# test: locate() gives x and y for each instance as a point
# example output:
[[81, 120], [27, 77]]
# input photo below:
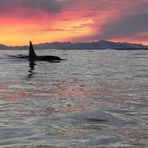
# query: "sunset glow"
[[73, 20]]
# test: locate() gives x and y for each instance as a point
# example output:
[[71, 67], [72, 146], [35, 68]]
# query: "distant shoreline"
[[100, 45]]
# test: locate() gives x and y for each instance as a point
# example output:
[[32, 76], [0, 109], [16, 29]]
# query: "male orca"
[[33, 57]]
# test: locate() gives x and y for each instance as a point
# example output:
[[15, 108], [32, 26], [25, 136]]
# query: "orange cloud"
[[17, 31]]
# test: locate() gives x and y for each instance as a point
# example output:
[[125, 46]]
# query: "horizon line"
[[76, 42]]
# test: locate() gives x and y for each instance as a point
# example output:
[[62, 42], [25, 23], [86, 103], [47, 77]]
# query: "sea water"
[[93, 99]]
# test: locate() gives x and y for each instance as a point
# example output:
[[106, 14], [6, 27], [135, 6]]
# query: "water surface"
[[95, 98]]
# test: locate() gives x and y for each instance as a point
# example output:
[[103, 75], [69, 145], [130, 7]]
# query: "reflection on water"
[[32, 65], [95, 100], [31, 68]]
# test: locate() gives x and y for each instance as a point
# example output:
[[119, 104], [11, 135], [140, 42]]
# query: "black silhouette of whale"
[[32, 57]]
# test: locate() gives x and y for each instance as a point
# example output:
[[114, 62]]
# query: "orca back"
[[32, 57]]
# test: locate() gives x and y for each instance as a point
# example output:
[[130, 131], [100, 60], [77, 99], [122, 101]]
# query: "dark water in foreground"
[[95, 99]]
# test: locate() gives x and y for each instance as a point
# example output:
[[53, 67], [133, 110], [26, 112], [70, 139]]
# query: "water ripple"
[[98, 99]]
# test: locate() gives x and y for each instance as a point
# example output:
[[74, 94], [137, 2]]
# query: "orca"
[[32, 57]]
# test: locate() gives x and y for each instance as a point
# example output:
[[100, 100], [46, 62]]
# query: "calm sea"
[[94, 99]]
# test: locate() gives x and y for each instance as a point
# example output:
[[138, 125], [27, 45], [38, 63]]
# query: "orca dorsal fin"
[[32, 55]]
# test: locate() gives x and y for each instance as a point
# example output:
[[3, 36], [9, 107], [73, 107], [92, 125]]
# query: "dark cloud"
[[126, 26], [46, 5], [130, 26], [8, 5], [52, 6], [130, 23]]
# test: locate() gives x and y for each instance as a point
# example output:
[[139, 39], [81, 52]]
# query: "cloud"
[[121, 20], [52, 6], [86, 20], [8, 5], [126, 27]]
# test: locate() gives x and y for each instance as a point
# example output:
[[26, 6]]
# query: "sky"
[[73, 20]]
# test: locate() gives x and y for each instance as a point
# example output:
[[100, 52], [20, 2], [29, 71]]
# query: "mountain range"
[[102, 44]]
